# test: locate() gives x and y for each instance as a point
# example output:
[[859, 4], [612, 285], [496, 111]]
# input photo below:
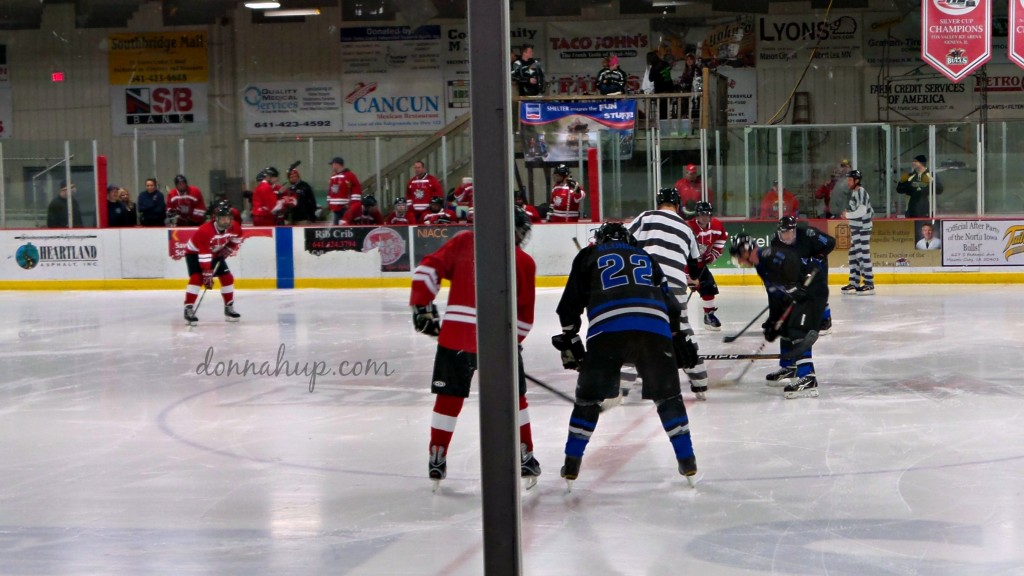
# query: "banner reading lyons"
[[562, 131], [956, 35]]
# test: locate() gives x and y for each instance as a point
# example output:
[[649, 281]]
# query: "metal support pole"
[[67, 179], [3, 191], [933, 161], [778, 169], [444, 164], [181, 155]]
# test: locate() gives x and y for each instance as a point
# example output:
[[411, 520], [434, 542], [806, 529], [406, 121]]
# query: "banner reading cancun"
[[562, 131], [956, 35]]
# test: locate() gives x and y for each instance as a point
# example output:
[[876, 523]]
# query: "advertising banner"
[[428, 239], [52, 254], [291, 108], [956, 35], [177, 238], [990, 243], [1016, 32], [562, 131], [910, 95], [159, 109], [391, 241], [390, 49], [390, 103], [577, 47], [786, 40]]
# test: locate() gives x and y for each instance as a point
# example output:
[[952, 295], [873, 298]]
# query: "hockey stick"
[[807, 282], [577, 243], [743, 331], [551, 389], [755, 356], [203, 295]]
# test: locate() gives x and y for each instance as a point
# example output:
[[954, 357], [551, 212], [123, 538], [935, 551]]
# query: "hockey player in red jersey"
[[264, 198], [343, 189], [711, 238], [565, 197], [400, 214], [369, 214], [464, 193], [206, 256], [455, 360], [421, 188], [437, 214], [185, 204], [531, 211]]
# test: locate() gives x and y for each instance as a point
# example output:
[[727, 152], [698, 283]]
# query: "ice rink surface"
[[118, 458]]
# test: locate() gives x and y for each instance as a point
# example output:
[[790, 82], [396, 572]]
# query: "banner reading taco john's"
[[562, 131], [956, 35]]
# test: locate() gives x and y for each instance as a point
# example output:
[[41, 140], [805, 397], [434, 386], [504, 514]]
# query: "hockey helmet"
[[222, 215], [668, 196], [369, 201], [703, 208], [787, 223], [522, 223], [562, 170], [180, 179], [855, 174], [271, 172], [437, 200], [613, 232], [742, 245]]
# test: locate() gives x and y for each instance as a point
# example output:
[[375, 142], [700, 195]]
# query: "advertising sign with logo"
[[974, 243], [392, 242], [786, 40], [390, 49], [6, 108], [911, 95], [1016, 32], [52, 255], [291, 108], [575, 50], [391, 103], [562, 131], [158, 82], [177, 238], [428, 239], [956, 35]]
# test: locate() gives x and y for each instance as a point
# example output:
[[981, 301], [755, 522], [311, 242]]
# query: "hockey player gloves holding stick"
[[425, 319], [685, 349], [572, 349]]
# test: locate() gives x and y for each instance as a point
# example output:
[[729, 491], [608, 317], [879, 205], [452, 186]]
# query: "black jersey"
[[621, 288], [813, 247], [779, 269]]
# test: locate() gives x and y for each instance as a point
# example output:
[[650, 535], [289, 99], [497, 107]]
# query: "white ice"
[[117, 458]]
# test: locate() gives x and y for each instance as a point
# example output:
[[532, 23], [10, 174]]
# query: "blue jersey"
[[621, 288]]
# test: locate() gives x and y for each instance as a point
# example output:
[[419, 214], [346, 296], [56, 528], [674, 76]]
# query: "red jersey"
[[565, 203], [264, 200], [689, 192], [343, 188], [442, 218], [208, 242], [770, 205], [420, 190], [189, 205], [531, 211], [394, 219], [368, 218], [711, 240], [464, 195], [454, 262]]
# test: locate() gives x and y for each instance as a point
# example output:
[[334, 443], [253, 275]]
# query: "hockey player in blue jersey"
[[813, 246], [633, 318]]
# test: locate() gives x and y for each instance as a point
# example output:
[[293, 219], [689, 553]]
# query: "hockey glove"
[[686, 350], [208, 279], [770, 331], [572, 349], [797, 293], [425, 319]]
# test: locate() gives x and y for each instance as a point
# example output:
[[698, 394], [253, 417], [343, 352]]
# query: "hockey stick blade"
[[740, 356], [576, 243]]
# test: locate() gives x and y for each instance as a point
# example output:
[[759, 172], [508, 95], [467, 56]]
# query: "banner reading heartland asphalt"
[[562, 131], [956, 35]]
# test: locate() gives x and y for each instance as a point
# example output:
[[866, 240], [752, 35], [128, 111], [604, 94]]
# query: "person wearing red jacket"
[[421, 188], [369, 214], [531, 211], [689, 191], [344, 192], [770, 204], [566, 197], [206, 256], [438, 215], [711, 238], [400, 215], [185, 204], [264, 199], [455, 359], [464, 193]]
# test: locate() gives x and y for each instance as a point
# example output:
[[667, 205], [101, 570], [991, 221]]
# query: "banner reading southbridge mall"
[[562, 131]]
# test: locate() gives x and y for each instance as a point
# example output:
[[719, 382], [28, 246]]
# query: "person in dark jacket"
[[151, 205], [57, 211]]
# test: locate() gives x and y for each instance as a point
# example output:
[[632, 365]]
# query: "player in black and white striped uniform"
[[859, 212], [669, 240]]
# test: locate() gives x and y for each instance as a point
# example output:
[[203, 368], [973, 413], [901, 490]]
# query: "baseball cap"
[[921, 158], [338, 160], [691, 168], [844, 162], [112, 187], [613, 60]]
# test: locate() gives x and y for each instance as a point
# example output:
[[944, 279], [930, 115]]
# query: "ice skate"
[[780, 377], [711, 321], [688, 468], [229, 313], [826, 327], [850, 288], [529, 468], [571, 470], [701, 392], [438, 466], [866, 290], [190, 315], [806, 387]]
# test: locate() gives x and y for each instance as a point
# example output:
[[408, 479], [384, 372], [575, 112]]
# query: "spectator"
[[422, 187], [117, 213], [612, 80], [464, 193], [306, 210], [928, 240], [770, 203], [689, 191], [566, 197], [133, 210], [659, 77], [527, 73], [860, 213], [915, 184], [151, 206], [530, 210], [834, 192], [369, 213], [343, 189], [185, 204], [437, 214], [57, 211], [400, 215], [264, 199], [687, 84]]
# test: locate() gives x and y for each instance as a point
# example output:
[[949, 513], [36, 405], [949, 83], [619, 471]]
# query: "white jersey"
[[668, 239]]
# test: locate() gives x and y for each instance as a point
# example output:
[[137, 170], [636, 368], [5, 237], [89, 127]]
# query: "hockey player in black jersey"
[[634, 318], [794, 312], [813, 246]]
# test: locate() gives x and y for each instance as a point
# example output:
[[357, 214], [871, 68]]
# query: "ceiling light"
[[263, 5], [296, 12]]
